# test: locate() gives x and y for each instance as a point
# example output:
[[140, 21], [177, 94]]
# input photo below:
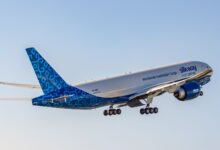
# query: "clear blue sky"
[[86, 40]]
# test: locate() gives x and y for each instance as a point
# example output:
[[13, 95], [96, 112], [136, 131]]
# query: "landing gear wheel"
[[147, 110], [201, 93], [151, 110], [156, 110], [114, 111], [105, 113], [118, 111], [110, 112], [142, 111]]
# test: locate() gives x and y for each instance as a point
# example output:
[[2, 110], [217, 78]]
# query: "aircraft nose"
[[210, 69]]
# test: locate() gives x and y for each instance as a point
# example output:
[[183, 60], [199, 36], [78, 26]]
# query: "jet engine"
[[188, 91]]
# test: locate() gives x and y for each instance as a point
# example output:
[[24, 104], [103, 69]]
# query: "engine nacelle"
[[188, 91]]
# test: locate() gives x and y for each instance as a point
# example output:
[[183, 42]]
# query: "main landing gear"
[[111, 112], [149, 110]]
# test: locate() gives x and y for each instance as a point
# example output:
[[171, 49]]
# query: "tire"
[[201, 93], [142, 111], [105, 112], [114, 111], [147, 110], [151, 110], [156, 110], [110, 112], [118, 111]]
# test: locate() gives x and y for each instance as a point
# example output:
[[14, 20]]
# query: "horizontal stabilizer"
[[15, 98], [29, 86]]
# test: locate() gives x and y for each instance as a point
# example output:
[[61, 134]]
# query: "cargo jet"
[[184, 81]]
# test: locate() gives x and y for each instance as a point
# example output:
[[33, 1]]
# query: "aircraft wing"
[[158, 90], [162, 88], [29, 86]]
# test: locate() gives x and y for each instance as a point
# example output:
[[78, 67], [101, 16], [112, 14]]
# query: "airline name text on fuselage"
[[188, 69]]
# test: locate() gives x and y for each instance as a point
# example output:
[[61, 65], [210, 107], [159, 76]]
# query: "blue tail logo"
[[48, 78]]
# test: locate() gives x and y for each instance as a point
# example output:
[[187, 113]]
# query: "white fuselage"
[[142, 81]]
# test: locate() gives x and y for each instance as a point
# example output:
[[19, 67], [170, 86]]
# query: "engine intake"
[[188, 91]]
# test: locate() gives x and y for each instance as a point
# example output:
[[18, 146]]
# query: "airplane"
[[183, 80]]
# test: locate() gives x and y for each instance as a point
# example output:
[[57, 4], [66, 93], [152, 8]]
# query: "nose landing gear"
[[201, 93]]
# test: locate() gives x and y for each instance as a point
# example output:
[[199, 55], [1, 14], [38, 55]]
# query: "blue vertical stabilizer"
[[48, 78]]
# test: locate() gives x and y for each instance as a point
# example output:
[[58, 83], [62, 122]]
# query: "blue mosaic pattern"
[[73, 98], [48, 78], [58, 93]]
